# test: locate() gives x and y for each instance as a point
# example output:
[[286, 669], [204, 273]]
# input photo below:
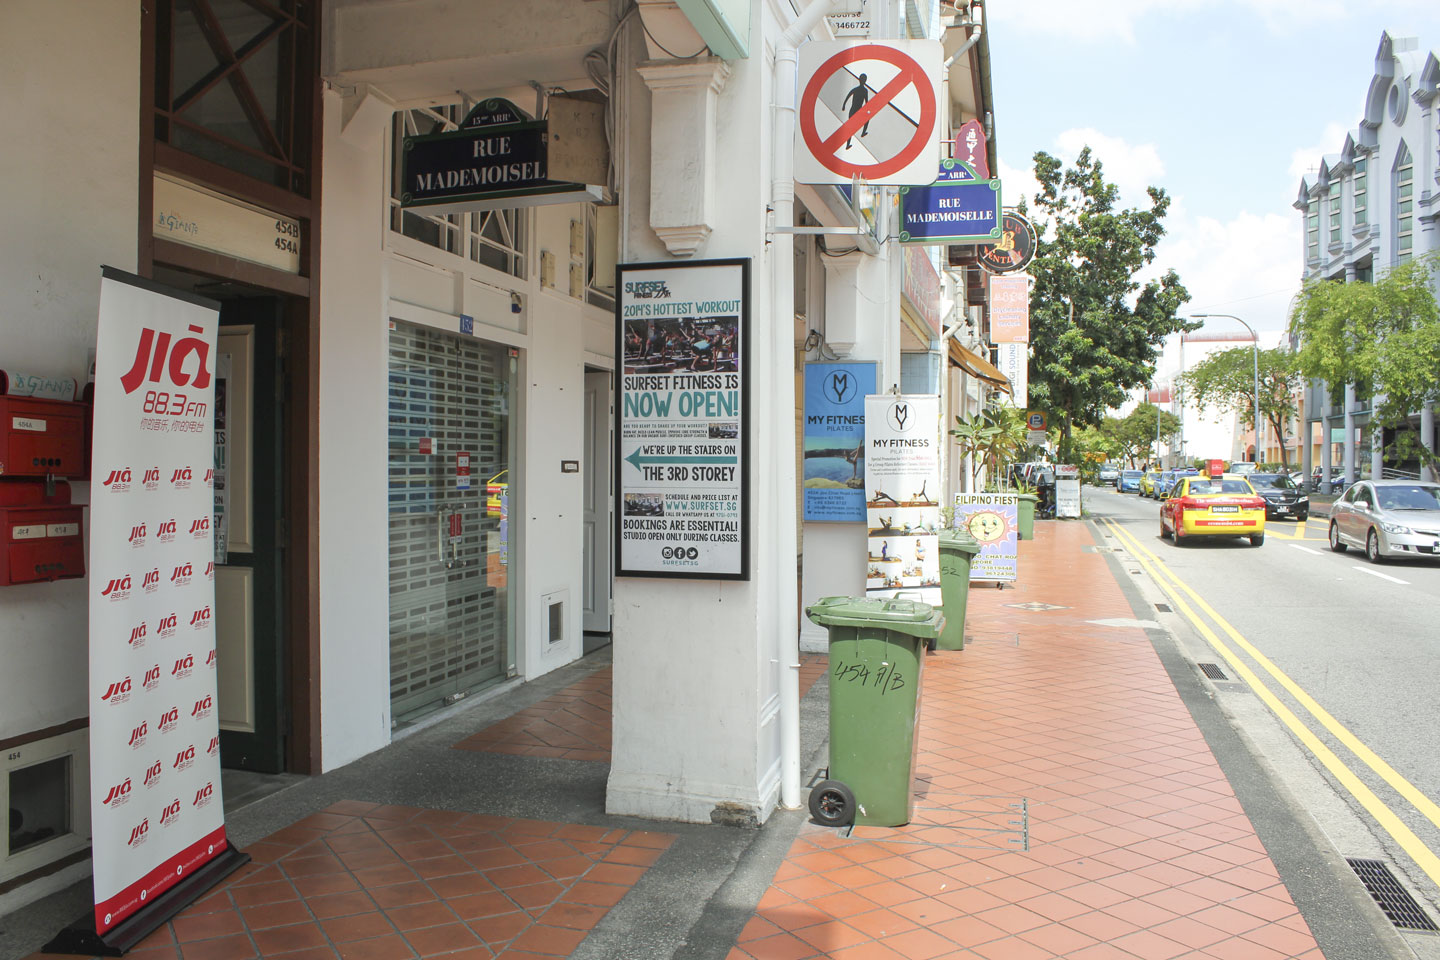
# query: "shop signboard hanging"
[[993, 520], [834, 456], [902, 505], [1010, 309], [496, 159], [958, 207], [683, 420], [156, 814], [1015, 248]]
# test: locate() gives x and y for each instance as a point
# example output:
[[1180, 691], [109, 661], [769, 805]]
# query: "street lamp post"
[[1255, 338]]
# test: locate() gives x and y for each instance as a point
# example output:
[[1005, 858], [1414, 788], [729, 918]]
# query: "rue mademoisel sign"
[[958, 207], [495, 155]]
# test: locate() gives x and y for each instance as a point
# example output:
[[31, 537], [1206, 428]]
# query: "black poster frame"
[[746, 329]]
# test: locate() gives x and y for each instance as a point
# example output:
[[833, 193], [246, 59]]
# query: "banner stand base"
[[80, 937]]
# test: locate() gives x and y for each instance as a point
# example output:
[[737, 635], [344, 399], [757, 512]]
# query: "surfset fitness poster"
[[902, 496], [682, 431]]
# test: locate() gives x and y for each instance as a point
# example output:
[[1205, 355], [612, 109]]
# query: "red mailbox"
[[41, 438], [40, 536]]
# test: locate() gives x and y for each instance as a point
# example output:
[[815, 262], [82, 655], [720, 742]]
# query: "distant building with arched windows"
[[1368, 208]]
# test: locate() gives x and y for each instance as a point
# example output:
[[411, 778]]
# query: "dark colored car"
[[1283, 499], [1169, 478]]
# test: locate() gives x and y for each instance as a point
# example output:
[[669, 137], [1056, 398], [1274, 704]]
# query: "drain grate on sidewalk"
[[1390, 896], [1212, 670]]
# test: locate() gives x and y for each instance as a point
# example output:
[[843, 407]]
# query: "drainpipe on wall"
[[782, 299]]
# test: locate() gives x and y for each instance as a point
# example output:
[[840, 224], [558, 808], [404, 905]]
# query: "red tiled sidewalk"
[[575, 723], [1138, 847], [367, 882]]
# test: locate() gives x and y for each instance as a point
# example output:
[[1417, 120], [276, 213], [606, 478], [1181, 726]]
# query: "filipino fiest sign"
[[992, 519], [682, 420], [958, 207], [155, 809], [834, 455], [902, 505]]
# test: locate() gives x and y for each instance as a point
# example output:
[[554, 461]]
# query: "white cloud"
[[1248, 266], [1017, 182], [1131, 167], [1305, 162]]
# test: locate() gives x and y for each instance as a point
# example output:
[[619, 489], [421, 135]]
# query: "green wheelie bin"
[[877, 653], [1025, 515], [957, 548]]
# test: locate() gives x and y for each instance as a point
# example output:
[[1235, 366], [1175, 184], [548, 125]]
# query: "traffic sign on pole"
[[869, 110]]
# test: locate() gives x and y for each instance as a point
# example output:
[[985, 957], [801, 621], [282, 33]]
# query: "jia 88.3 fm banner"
[[156, 812]]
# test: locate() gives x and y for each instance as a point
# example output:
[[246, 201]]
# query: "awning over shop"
[[975, 365]]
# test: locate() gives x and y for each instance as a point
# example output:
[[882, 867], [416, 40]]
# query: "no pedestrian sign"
[[869, 110]]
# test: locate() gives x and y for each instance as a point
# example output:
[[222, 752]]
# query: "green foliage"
[[1226, 379], [996, 436], [1095, 330], [1131, 438], [1383, 336]]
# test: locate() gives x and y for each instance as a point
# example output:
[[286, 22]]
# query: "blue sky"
[[1223, 104]]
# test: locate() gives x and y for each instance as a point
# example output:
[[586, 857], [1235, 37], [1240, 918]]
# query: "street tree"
[[1384, 335], [1096, 330], [1141, 433], [1226, 380]]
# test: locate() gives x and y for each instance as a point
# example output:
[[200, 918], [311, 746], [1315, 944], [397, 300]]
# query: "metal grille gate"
[[449, 619]]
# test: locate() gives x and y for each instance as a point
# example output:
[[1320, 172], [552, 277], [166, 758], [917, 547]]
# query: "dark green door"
[[250, 543]]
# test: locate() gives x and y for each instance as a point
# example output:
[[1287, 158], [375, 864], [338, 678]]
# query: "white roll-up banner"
[[902, 496], [156, 813]]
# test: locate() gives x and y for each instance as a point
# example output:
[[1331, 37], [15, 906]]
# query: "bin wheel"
[[832, 804]]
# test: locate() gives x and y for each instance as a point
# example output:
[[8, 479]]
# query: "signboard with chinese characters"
[[958, 207], [902, 463], [1010, 309], [834, 455], [683, 420]]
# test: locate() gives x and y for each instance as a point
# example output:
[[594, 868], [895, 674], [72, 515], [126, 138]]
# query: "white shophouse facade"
[[401, 340], [1373, 205]]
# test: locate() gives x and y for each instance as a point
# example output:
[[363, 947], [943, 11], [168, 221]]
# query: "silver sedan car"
[[1388, 518]]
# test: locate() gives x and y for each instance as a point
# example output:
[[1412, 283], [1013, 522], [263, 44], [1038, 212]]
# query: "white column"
[[1427, 435], [682, 177], [1350, 442]]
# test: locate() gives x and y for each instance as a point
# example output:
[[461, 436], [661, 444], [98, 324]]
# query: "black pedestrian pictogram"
[[861, 93]]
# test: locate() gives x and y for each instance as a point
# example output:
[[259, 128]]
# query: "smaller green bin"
[[1025, 515], [877, 653], [957, 548]]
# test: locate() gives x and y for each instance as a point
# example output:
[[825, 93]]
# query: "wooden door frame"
[[302, 332]]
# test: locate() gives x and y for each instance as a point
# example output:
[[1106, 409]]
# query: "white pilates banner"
[[902, 500], [155, 810]]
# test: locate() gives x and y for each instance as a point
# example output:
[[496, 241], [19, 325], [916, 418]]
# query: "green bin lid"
[[1028, 496], [903, 616], [958, 540]]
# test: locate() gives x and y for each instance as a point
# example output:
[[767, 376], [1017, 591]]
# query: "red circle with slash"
[[825, 151]]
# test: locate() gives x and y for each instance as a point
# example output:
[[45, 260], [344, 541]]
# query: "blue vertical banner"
[[834, 471]]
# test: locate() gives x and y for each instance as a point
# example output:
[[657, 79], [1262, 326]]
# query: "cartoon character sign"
[[991, 518], [988, 526]]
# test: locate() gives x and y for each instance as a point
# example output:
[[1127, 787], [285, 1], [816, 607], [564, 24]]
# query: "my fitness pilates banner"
[[902, 466], [834, 473], [992, 519], [682, 431], [155, 809]]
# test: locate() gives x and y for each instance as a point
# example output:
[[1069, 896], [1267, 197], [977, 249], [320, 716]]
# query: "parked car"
[[1147, 483], [1283, 497], [1169, 478], [1109, 473], [1129, 481], [1387, 518], [1225, 506]]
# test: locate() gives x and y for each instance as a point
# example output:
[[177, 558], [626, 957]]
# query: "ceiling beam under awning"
[[977, 366]]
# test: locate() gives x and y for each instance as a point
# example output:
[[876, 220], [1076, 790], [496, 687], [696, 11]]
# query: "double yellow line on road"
[[1177, 590]]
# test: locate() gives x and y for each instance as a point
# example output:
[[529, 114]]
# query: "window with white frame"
[[1312, 231], [1404, 204], [1335, 215], [495, 238], [1359, 190]]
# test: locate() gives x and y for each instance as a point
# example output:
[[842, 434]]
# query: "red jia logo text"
[[138, 735], [119, 480], [117, 589], [168, 720], [184, 758], [118, 795], [137, 834], [183, 666], [150, 357], [152, 776], [117, 692]]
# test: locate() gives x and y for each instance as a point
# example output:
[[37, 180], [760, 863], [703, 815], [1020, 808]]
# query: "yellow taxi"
[[1147, 483], [1224, 506]]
